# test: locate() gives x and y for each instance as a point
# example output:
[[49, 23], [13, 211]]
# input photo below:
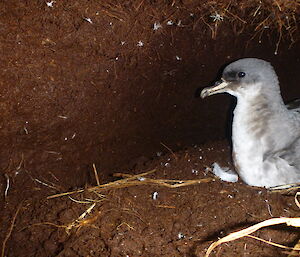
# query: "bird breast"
[[258, 132], [250, 137]]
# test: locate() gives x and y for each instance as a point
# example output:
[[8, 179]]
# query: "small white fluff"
[[195, 171], [157, 26], [50, 4], [140, 43], [180, 235], [89, 20], [158, 154], [224, 173], [155, 195]]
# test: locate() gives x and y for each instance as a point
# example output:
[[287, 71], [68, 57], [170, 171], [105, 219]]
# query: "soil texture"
[[153, 220], [114, 84]]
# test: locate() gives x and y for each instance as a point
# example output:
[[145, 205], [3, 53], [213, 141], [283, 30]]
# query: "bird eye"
[[241, 74]]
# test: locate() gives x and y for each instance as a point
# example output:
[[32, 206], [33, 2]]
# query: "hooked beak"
[[218, 87]]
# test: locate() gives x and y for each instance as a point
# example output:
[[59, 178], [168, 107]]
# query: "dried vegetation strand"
[[129, 180], [294, 222], [256, 17]]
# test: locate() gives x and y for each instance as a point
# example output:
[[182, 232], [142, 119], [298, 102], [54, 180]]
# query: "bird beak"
[[217, 88]]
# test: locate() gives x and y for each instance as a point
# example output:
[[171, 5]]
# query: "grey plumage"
[[265, 131]]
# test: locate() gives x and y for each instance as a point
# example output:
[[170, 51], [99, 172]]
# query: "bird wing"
[[284, 165], [291, 154], [294, 105], [288, 158]]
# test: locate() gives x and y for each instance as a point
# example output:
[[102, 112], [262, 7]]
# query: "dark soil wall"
[[85, 82], [77, 89]]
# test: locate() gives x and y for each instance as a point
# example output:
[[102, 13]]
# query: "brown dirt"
[[76, 91], [180, 222]]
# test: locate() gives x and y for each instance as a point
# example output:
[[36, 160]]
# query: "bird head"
[[244, 76]]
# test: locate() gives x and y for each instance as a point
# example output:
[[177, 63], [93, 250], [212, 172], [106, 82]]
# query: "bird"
[[265, 131]]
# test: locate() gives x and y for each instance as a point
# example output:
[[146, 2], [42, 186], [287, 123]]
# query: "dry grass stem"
[[94, 200], [96, 174], [272, 243], [78, 223], [295, 222], [265, 17], [100, 196], [44, 223], [46, 184], [136, 180], [81, 221], [166, 206], [236, 17], [295, 252], [285, 189], [79, 201], [296, 199], [66, 194], [10, 230], [126, 224], [7, 185], [169, 149], [88, 211], [114, 11]]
